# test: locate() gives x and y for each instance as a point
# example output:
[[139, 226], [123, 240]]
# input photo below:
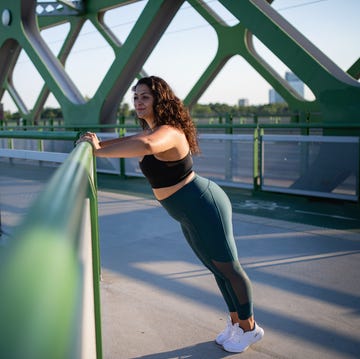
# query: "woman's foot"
[[239, 340], [226, 333]]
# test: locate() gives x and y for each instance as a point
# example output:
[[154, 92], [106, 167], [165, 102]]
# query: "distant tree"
[[123, 110], [201, 110], [15, 116], [219, 110], [52, 113], [7, 115], [273, 108]]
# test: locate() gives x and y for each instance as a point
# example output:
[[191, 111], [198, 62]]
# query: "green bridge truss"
[[337, 93]]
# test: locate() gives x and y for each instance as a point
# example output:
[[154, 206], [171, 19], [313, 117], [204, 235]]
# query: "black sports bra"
[[165, 173]]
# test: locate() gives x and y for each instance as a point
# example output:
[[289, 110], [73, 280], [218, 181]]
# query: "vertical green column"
[[258, 159]]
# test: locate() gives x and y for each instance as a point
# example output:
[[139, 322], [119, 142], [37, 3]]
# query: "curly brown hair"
[[169, 110]]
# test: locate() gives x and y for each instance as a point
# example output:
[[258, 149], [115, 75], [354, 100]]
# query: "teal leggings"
[[205, 214]]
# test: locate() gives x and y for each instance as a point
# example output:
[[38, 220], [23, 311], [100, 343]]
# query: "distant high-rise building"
[[294, 82], [274, 97], [243, 102]]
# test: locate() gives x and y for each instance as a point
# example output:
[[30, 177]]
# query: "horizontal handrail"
[[38, 135], [68, 133], [42, 275]]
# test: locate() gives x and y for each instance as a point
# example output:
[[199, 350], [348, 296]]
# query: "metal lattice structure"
[[337, 93]]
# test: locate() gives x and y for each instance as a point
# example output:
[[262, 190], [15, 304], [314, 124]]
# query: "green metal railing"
[[257, 130], [51, 266]]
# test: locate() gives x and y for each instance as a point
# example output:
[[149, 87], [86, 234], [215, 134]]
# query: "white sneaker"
[[240, 340], [226, 333]]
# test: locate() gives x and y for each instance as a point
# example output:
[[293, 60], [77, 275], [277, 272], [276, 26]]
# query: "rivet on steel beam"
[[6, 17]]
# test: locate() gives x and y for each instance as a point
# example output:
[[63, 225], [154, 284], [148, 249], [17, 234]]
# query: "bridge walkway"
[[159, 302]]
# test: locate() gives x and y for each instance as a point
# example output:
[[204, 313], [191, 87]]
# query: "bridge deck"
[[159, 302]]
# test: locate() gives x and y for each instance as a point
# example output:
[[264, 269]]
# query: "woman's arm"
[[114, 141], [110, 142], [162, 139]]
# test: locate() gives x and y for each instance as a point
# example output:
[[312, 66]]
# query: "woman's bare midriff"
[[164, 192]]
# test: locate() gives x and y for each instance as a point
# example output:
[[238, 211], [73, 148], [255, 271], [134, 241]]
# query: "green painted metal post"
[[258, 160]]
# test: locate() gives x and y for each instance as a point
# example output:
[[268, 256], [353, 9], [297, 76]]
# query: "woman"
[[166, 146]]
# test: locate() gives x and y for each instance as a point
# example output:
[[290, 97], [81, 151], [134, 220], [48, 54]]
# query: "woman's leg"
[[247, 324], [236, 288], [229, 276], [205, 214]]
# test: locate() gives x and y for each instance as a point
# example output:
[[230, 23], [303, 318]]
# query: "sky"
[[189, 45]]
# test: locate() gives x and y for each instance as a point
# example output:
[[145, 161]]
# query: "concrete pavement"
[[159, 302]]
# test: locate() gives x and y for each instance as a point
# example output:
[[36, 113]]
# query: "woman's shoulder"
[[176, 139], [169, 128]]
